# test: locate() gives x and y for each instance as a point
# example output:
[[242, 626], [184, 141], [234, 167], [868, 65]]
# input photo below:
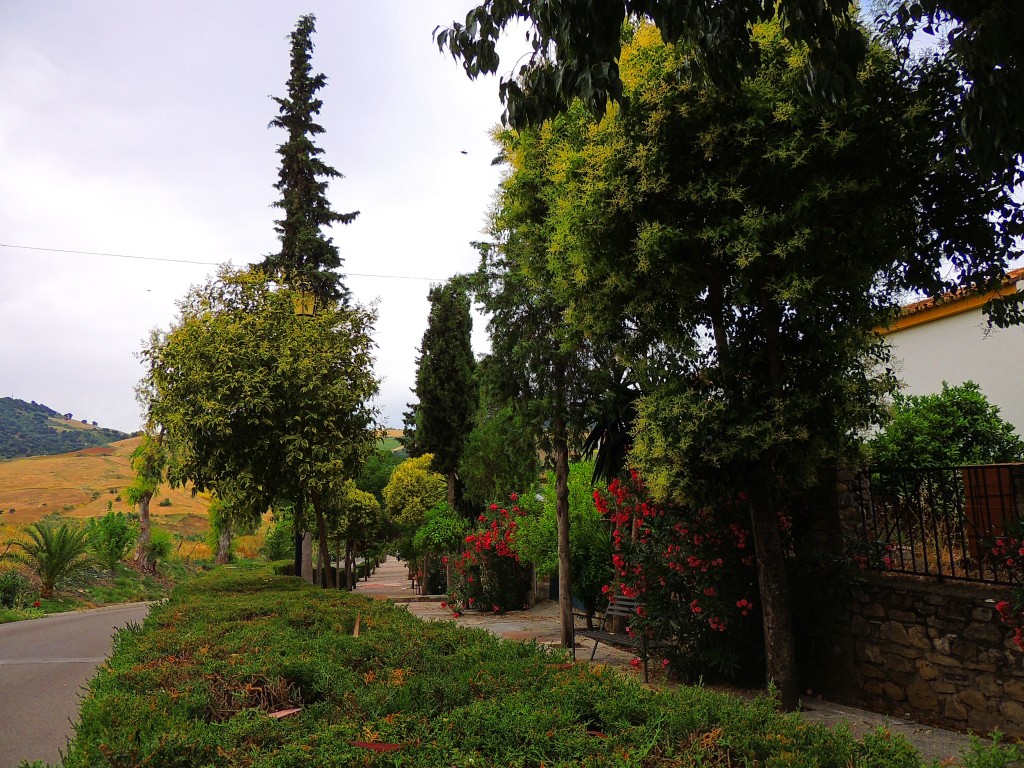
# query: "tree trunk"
[[426, 573], [780, 658], [349, 564], [223, 545], [143, 556], [307, 557], [325, 552], [298, 547], [451, 489], [561, 453]]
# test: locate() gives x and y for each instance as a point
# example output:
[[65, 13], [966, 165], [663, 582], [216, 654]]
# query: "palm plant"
[[54, 553]]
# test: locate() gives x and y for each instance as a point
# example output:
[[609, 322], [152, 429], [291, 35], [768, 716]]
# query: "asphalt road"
[[44, 666]]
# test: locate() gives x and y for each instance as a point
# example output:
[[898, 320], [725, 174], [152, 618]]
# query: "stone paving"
[[541, 624]]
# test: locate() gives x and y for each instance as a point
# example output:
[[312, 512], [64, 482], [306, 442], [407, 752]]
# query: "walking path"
[[541, 624]]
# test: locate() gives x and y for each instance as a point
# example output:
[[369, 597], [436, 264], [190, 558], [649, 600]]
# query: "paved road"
[[44, 664]]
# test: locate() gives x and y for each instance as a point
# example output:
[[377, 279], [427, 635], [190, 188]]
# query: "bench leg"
[[594, 651]]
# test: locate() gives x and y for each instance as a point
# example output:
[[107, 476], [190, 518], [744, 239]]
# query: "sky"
[[141, 129]]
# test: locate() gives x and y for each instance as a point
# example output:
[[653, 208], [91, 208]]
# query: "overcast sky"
[[140, 129]]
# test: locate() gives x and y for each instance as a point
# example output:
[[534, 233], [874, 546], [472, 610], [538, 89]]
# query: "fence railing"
[[940, 521]]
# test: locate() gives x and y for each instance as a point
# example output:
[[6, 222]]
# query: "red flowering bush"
[[1008, 552], [488, 574], [693, 570]]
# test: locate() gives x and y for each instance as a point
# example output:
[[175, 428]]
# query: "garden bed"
[[212, 674]]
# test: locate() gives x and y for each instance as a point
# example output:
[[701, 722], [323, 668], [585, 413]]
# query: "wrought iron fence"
[[940, 522]]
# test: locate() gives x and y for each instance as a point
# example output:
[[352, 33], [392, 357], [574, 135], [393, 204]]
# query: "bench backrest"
[[622, 606]]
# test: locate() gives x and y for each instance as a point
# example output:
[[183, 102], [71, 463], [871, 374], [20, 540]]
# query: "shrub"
[[15, 590], [489, 575], [194, 685], [160, 545], [165, 502], [693, 570], [590, 549], [280, 541], [110, 538], [957, 426]]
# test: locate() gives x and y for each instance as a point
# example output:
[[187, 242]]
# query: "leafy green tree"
[[500, 456], [376, 472], [983, 40], [358, 519], [148, 461], [54, 553], [542, 367], [445, 384], [247, 393], [759, 228], [590, 549], [307, 255], [412, 490], [110, 538], [957, 426]]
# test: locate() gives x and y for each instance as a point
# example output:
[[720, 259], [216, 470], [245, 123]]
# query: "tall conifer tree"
[[445, 382], [307, 255]]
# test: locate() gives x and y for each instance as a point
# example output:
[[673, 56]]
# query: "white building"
[[952, 342]]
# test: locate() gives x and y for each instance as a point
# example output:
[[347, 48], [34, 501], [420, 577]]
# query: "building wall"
[[961, 347]]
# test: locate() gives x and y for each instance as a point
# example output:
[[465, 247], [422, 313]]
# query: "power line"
[[203, 263]]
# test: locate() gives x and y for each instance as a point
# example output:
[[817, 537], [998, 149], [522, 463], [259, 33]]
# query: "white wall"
[[962, 347]]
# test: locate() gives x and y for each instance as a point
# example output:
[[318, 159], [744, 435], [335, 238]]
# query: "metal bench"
[[618, 607]]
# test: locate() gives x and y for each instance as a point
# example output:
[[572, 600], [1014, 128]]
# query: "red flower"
[[37, 604]]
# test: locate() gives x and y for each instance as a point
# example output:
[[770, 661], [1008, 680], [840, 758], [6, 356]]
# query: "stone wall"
[[931, 651], [934, 653]]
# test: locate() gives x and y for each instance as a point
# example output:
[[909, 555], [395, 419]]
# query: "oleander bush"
[[197, 684]]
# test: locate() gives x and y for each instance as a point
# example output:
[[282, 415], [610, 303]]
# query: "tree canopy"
[[576, 46], [250, 394], [737, 245], [576, 53]]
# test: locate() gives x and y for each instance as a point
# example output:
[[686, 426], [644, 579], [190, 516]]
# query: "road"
[[44, 665]]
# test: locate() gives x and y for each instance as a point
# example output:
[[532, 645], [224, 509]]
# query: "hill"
[[79, 485], [32, 429]]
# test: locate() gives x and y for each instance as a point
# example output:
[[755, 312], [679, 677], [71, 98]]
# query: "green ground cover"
[[199, 681], [96, 587]]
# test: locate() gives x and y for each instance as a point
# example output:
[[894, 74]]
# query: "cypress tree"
[[445, 381], [307, 256]]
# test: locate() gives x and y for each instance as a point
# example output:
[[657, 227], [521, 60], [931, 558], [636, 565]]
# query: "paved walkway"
[[44, 666], [541, 624]]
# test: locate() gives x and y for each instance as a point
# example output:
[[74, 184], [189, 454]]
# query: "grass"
[[197, 684], [79, 485], [95, 588]]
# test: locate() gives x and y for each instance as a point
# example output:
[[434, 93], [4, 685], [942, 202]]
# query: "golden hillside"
[[79, 485]]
